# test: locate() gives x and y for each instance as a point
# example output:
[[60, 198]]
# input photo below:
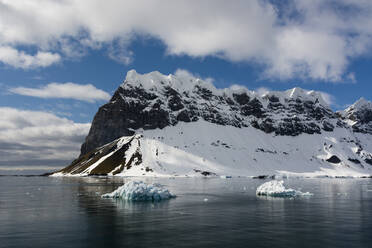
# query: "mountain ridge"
[[154, 114], [155, 100]]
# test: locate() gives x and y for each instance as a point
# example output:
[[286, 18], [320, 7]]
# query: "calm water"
[[68, 212]]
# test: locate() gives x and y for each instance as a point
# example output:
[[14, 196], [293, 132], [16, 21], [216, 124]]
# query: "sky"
[[61, 60]]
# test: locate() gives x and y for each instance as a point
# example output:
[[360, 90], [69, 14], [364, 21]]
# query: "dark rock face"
[[334, 159], [253, 107], [174, 99], [143, 105], [354, 160], [327, 126], [368, 161], [119, 118], [116, 163], [184, 116], [241, 99], [293, 127], [363, 117]]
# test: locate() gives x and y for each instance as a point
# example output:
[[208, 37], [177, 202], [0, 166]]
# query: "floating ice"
[[224, 177], [276, 189], [140, 191]]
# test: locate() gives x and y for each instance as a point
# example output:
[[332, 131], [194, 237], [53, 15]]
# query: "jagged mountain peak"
[[155, 80], [360, 104], [185, 82], [359, 116], [309, 95]]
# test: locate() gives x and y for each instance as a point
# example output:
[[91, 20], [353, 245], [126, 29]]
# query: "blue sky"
[[98, 69], [319, 45]]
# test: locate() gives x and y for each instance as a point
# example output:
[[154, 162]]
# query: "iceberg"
[[140, 191], [276, 188]]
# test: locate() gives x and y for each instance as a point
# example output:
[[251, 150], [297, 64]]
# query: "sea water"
[[207, 212]]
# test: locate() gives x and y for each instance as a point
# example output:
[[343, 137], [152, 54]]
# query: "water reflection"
[[230, 215], [70, 210]]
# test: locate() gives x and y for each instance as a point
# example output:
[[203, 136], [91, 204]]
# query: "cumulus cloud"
[[38, 138], [328, 98], [20, 59], [80, 92], [187, 75], [291, 39]]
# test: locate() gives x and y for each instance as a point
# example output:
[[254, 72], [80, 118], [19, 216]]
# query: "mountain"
[[359, 116], [156, 101], [161, 125]]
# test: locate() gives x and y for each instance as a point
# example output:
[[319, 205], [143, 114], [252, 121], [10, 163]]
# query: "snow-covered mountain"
[[159, 125], [359, 116]]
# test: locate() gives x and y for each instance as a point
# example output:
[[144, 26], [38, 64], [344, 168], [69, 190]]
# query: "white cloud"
[[119, 52], [328, 98], [80, 92], [351, 77], [20, 59], [262, 91], [238, 87], [38, 138], [182, 73], [303, 39]]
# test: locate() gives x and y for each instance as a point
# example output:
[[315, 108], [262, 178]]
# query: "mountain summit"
[[159, 124], [155, 100]]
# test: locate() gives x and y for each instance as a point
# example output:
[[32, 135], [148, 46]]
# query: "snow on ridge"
[[155, 81], [358, 115], [362, 103], [306, 95]]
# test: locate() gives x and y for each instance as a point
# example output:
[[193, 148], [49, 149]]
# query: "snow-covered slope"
[[158, 125], [203, 148]]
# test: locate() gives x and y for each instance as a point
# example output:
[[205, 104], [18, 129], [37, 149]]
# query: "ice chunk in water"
[[140, 191], [276, 189]]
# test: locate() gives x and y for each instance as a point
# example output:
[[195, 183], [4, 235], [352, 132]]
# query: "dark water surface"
[[68, 212]]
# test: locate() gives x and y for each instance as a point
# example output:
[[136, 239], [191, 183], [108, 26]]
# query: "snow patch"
[[140, 191], [276, 188]]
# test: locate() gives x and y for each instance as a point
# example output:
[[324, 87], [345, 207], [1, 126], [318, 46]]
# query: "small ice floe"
[[205, 199], [140, 191], [224, 176], [276, 189]]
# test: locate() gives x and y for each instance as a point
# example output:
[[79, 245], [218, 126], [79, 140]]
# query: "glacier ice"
[[276, 188], [140, 191]]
